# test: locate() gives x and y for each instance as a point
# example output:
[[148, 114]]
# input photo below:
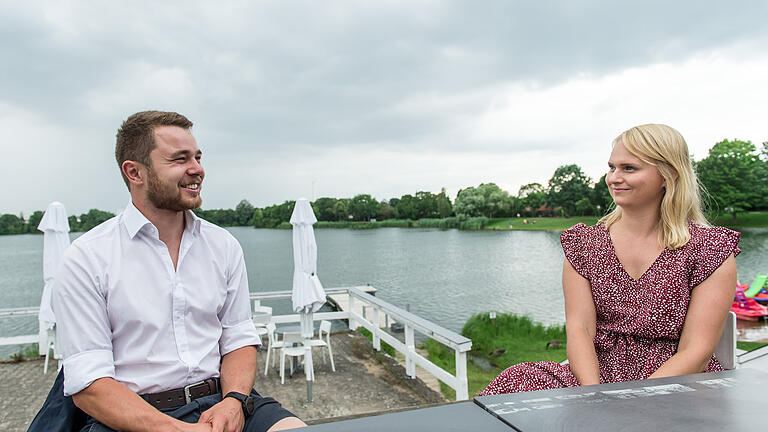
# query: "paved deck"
[[364, 382]]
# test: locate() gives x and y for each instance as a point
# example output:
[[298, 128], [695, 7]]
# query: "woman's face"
[[632, 182]]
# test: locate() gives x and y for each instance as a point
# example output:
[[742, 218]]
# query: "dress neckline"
[[621, 265]]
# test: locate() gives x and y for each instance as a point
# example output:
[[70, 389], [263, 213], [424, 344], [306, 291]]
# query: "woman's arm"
[[704, 322], [580, 326]]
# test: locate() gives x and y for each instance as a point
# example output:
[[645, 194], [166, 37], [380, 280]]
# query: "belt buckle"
[[187, 394]]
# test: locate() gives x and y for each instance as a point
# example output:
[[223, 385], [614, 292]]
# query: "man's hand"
[[225, 416]]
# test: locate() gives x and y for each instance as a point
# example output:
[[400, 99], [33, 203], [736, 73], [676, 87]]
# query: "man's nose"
[[196, 168]]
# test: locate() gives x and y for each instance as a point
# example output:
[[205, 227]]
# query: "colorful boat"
[[747, 308]]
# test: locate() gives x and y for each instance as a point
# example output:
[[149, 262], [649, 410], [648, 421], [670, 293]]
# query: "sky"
[[337, 98]]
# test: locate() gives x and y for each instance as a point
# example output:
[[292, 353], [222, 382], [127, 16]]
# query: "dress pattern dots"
[[639, 322]]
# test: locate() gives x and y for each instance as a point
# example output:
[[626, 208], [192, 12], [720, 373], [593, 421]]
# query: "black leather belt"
[[184, 395]]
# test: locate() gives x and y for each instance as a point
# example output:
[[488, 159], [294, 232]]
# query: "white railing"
[[389, 312], [21, 339], [411, 323]]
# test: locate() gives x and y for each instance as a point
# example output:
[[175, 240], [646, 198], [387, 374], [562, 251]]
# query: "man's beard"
[[168, 197]]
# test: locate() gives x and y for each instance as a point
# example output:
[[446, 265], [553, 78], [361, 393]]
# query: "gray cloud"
[[268, 80]]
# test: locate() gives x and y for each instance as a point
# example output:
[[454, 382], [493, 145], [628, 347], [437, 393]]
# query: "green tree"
[[568, 185], [324, 209], [257, 218], [34, 221], [243, 212], [444, 207], [341, 209], [601, 197], [496, 202], [406, 207], [532, 196], [363, 207], [93, 218], [386, 211], [11, 224], [733, 174], [74, 224], [274, 215], [426, 205], [469, 203], [584, 207]]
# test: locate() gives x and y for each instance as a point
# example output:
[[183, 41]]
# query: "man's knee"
[[287, 423]]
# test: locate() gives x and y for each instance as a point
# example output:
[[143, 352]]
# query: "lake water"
[[443, 276]]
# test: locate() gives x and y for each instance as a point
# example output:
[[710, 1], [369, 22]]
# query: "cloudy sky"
[[379, 97]]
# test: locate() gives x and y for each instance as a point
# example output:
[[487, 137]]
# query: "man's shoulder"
[[102, 232], [214, 233]]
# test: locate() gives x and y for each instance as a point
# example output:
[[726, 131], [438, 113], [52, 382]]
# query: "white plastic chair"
[[273, 344], [325, 327], [726, 347], [261, 315], [288, 350]]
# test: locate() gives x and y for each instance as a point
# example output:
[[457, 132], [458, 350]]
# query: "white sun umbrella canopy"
[[308, 294], [55, 228]]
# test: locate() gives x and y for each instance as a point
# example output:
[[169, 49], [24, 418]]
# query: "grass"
[[539, 223], [743, 220], [387, 348], [749, 346], [522, 339], [26, 351]]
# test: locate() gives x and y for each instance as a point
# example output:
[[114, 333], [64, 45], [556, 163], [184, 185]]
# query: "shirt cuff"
[[83, 368], [238, 336]]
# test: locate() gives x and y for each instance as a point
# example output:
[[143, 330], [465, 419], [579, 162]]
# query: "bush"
[[397, 223], [522, 339], [475, 223]]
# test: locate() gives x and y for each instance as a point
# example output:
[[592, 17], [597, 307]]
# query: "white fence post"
[[462, 390], [376, 329], [350, 309], [410, 364]]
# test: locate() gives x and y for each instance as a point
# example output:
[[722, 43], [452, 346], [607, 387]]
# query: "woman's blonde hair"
[[664, 148]]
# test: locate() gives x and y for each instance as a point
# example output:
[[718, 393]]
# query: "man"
[[153, 308]]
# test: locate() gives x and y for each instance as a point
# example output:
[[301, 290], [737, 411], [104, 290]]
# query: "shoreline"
[[523, 223]]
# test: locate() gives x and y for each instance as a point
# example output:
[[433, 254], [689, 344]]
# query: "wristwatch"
[[247, 401]]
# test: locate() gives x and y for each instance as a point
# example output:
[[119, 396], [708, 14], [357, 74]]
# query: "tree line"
[[734, 176]]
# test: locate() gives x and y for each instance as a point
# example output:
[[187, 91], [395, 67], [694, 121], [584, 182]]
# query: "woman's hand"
[[704, 322], [580, 325]]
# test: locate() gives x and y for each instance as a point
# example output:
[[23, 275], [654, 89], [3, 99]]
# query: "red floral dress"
[[638, 321]]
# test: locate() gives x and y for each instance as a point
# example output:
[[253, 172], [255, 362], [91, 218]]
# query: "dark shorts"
[[268, 412]]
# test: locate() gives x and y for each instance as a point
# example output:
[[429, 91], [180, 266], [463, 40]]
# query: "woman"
[[647, 288]]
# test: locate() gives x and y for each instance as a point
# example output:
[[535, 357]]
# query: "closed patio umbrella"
[[55, 228], [308, 294]]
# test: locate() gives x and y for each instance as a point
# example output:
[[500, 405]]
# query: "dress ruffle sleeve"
[[715, 245], [573, 243]]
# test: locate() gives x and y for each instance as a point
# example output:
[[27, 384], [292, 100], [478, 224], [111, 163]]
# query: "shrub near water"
[[521, 338]]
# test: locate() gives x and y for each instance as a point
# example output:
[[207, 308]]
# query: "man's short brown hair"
[[136, 139]]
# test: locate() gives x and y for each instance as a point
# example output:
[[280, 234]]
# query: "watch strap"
[[244, 400]]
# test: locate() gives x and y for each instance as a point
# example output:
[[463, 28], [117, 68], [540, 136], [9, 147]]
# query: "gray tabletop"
[[728, 401], [462, 416]]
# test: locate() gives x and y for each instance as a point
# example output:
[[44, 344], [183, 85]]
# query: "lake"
[[443, 276]]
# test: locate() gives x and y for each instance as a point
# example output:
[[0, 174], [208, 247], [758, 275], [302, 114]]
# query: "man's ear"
[[133, 172]]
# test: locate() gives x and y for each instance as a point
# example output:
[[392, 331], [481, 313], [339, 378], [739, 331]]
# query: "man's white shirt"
[[124, 312]]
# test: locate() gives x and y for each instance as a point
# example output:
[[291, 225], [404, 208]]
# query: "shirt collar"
[[134, 221]]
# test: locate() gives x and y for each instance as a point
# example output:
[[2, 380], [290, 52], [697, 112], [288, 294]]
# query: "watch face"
[[249, 405]]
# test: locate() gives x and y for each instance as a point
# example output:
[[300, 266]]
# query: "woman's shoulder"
[[582, 232], [712, 237]]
